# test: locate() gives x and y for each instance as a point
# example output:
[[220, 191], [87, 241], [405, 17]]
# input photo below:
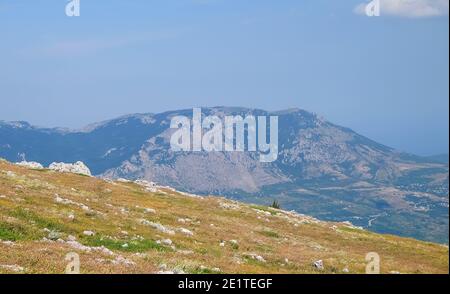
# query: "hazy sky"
[[385, 77]]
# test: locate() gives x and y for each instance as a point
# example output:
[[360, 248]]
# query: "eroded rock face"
[[76, 168]]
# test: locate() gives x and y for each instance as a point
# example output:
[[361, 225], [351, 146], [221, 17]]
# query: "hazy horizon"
[[384, 77]]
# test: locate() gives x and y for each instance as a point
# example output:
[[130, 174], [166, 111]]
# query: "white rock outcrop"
[[30, 164], [76, 168]]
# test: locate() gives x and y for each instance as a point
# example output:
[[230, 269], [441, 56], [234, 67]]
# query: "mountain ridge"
[[316, 157]]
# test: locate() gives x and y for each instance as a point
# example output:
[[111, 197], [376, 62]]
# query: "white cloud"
[[409, 8]]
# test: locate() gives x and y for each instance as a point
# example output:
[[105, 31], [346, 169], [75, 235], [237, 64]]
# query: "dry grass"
[[28, 211]]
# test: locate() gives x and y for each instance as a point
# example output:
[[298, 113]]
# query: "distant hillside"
[[323, 170], [440, 158], [127, 227]]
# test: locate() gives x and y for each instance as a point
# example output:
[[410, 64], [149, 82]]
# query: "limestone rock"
[[30, 164], [76, 168]]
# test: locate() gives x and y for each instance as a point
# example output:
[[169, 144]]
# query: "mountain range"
[[323, 170]]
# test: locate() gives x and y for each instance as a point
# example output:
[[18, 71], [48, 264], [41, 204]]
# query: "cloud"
[[409, 8]]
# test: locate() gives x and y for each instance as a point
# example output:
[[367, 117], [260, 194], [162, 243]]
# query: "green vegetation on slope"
[[121, 227]]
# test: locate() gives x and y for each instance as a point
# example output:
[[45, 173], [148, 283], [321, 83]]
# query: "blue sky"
[[385, 77]]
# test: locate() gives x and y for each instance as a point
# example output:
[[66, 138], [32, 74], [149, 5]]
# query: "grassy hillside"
[[122, 227]]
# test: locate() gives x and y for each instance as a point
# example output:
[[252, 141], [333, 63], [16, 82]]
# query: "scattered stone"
[[350, 225], [165, 273], [149, 186], [104, 250], [122, 180], [189, 195], [79, 246], [141, 255], [88, 233], [10, 174], [167, 242], [260, 258], [257, 257], [61, 200], [232, 206], [14, 268], [163, 266], [149, 210], [30, 164], [158, 227], [186, 231], [345, 270], [184, 220], [122, 260], [318, 264], [184, 252], [8, 243], [71, 238], [259, 211]]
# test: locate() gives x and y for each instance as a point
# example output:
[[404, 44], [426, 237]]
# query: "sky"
[[385, 77]]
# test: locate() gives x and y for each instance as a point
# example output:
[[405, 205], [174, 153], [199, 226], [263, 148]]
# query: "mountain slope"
[[323, 169], [44, 215]]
